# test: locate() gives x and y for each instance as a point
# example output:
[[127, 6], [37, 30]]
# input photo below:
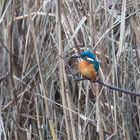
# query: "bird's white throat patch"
[[90, 59]]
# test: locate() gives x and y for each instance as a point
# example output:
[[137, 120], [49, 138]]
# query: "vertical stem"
[[69, 102], [91, 21], [98, 116], [113, 79], [61, 66], [38, 120]]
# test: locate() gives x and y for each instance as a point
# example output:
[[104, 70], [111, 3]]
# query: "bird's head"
[[91, 58]]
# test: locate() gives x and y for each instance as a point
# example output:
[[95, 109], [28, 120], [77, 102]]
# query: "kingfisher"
[[88, 65]]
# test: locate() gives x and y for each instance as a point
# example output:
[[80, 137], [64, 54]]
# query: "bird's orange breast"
[[87, 69]]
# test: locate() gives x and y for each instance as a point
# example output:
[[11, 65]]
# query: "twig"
[[4, 77], [4, 46], [110, 87]]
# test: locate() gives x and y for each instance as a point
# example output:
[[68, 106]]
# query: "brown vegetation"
[[39, 98]]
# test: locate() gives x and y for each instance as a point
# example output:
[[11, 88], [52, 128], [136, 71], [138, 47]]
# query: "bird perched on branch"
[[88, 65], [89, 68]]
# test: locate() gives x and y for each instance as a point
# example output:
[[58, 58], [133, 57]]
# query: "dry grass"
[[40, 98]]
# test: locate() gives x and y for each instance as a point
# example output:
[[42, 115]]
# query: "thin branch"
[[4, 46], [110, 87], [4, 77]]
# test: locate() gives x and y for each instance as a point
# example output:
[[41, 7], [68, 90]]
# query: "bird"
[[88, 65], [89, 69]]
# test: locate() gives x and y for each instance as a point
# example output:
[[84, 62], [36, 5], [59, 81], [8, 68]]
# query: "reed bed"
[[39, 97]]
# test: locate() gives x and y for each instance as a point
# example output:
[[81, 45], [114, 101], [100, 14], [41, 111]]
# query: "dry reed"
[[40, 98]]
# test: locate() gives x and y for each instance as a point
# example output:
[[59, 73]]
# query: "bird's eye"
[[83, 56]]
